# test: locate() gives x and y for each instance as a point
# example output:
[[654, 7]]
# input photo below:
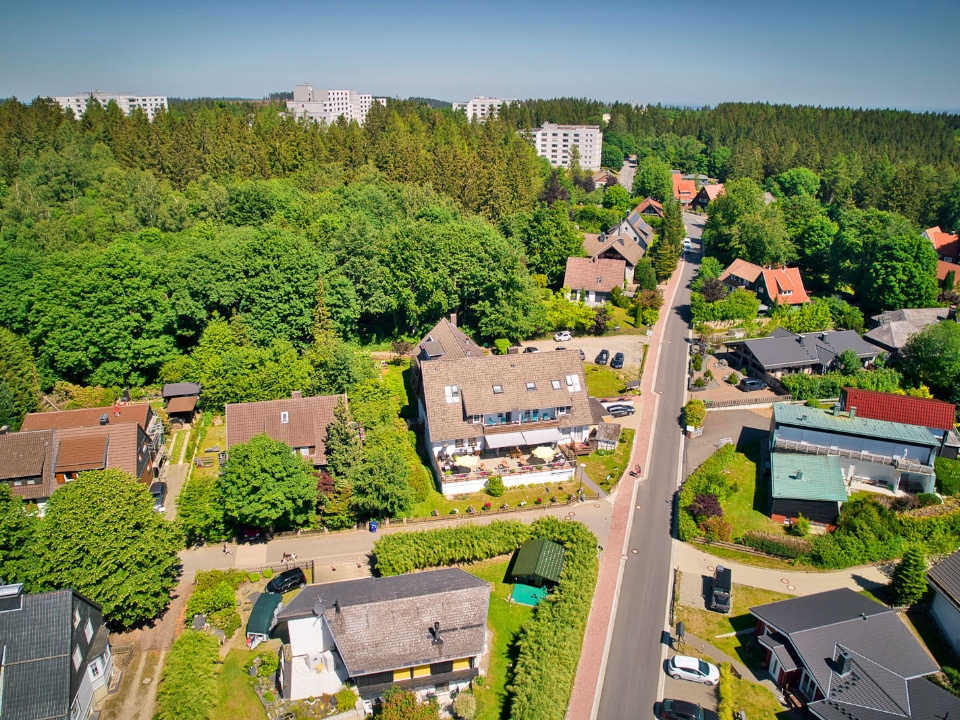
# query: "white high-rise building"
[[482, 107], [328, 105], [125, 101], [553, 142]]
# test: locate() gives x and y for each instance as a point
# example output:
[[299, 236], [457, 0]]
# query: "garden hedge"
[[548, 645], [187, 685]]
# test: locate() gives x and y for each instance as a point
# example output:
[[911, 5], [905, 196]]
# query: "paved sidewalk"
[[589, 680], [694, 562]]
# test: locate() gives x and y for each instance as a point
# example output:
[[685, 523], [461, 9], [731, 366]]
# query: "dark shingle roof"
[[780, 350], [445, 340], [181, 389], [945, 578], [305, 427], [826, 608], [382, 624]]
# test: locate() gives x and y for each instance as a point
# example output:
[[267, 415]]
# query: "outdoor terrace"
[[813, 449]]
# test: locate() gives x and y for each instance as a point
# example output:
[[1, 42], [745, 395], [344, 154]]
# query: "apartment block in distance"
[[554, 142], [481, 107], [328, 105], [125, 101]]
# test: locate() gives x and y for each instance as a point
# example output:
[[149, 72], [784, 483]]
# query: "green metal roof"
[[539, 557], [261, 617], [814, 418], [807, 477]]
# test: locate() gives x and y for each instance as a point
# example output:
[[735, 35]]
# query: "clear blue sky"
[[878, 53]]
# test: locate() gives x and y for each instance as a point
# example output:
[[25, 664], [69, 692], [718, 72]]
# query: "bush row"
[[814, 387], [549, 643], [187, 686], [780, 545], [404, 552], [948, 476]]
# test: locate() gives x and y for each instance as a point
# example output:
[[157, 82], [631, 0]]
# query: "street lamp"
[[580, 470]]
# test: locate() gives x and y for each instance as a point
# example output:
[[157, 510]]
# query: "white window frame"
[[77, 658], [95, 670], [498, 389], [284, 417], [76, 617], [88, 630], [555, 384], [531, 386]]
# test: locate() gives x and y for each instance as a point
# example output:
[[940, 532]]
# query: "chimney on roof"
[[844, 663], [799, 474], [823, 336], [104, 419], [296, 395], [453, 319]]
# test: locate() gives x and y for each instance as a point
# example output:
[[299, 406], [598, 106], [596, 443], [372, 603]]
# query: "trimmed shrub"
[[206, 579], [695, 413], [948, 476], [226, 619], [465, 706], [704, 507], [253, 577], [687, 528], [726, 692], [697, 362], [495, 486], [501, 346], [708, 479], [928, 499], [208, 600], [188, 687], [268, 573], [717, 529], [269, 664], [779, 545], [799, 528], [346, 698]]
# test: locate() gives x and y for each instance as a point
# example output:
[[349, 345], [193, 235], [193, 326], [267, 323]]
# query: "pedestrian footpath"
[[586, 689]]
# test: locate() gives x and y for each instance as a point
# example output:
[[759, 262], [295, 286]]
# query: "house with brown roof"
[[123, 446], [444, 341], [635, 228], [649, 207], [614, 247], [119, 413], [181, 401], [892, 329], [783, 286], [944, 269], [604, 178], [300, 422], [684, 190], [706, 195], [946, 244], [27, 463], [517, 416], [592, 280]]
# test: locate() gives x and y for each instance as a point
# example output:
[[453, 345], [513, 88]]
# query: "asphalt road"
[[625, 176], [634, 664]]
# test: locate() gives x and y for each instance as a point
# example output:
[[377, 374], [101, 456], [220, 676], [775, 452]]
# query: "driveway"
[[630, 345], [625, 176], [739, 426]]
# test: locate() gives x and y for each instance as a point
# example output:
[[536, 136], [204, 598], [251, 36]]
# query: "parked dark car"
[[287, 580], [251, 534], [531, 349], [602, 357], [722, 595], [159, 492], [750, 384], [583, 355], [561, 347], [680, 710], [617, 362], [621, 410]]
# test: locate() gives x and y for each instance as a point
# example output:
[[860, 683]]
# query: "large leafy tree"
[[265, 484], [380, 487], [19, 387], [653, 179], [17, 527], [549, 238], [899, 272], [932, 358], [101, 536]]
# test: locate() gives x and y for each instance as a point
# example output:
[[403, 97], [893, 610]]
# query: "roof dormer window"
[[555, 384], [573, 383], [531, 386], [498, 389], [452, 393]]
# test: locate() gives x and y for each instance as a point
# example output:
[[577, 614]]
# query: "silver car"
[[684, 667]]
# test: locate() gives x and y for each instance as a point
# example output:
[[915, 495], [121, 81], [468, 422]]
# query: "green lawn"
[[176, 447], [761, 561], [602, 381], [397, 375], [745, 508], [504, 620], [602, 464], [512, 496], [236, 698], [625, 320], [707, 625], [756, 701]]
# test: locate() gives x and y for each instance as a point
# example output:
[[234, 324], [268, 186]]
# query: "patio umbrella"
[[467, 461], [544, 452]]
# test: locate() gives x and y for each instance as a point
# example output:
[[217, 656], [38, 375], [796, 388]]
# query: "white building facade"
[[554, 142], [481, 108], [328, 105], [127, 102]]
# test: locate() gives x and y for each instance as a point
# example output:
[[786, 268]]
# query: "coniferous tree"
[[909, 583]]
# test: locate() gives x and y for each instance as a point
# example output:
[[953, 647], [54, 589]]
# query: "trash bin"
[[373, 526]]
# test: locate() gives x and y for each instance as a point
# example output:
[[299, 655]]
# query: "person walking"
[[226, 550]]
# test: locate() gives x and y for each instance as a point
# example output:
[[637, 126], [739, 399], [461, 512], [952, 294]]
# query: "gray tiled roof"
[[382, 624], [306, 425], [475, 378], [807, 350], [826, 608], [448, 341], [895, 327], [925, 701], [39, 680], [814, 418], [181, 389], [945, 578]]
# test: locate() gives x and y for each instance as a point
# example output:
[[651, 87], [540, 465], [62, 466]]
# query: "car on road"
[[251, 534], [287, 580], [621, 410], [617, 362], [687, 245], [681, 710], [562, 336], [583, 355], [159, 492], [684, 667], [602, 357], [531, 349], [751, 384]]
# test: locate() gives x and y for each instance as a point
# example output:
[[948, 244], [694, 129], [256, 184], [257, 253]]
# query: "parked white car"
[[563, 336], [684, 667]]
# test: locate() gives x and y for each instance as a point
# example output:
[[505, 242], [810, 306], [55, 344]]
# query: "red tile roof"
[[649, 204], [683, 190], [594, 274], [785, 286], [88, 417], [900, 408], [944, 267], [946, 245]]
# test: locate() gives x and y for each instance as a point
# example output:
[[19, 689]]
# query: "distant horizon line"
[[680, 106]]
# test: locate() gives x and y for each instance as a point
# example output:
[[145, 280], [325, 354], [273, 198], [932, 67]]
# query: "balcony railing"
[[514, 425], [510, 470], [812, 449]]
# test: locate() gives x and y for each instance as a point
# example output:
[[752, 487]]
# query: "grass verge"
[[754, 700], [512, 496], [745, 507], [761, 561], [603, 382], [607, 468]]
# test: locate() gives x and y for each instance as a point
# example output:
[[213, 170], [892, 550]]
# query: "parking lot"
[[630, 345]]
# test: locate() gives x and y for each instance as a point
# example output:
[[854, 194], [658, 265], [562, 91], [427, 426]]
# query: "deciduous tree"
[[932, 357]]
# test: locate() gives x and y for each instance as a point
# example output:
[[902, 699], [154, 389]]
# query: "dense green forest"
[[121, 239]]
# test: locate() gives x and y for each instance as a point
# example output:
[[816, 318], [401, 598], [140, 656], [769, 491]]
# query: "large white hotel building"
[[481, 107], [553, 142], [328, 105], [127, 102]]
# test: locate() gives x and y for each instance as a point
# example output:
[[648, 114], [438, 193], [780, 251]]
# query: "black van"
[[722, 596]]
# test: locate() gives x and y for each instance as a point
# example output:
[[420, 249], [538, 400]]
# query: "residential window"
[[555, 384], [476, 419], [573, 382], [498, 389], [95, 670], [75, 710], [531, 386], [452, 393], [77, 658], [284, 418], [88, 630], [76, 617], [564, 410]]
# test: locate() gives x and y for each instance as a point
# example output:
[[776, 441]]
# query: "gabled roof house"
[[893, 328], [27, 464], [55, 658], [707, 194], [120, 413], [781, 285], [300, 422], [935, 415], [851, 658], [649, 207], [783, 352], [592, 280], [947, 245], [423, 631], [614, 247], [684, 190]]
